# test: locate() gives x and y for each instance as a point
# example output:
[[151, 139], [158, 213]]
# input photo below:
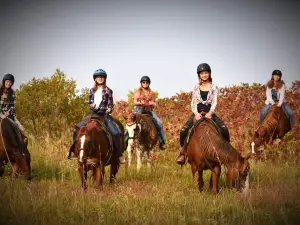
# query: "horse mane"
[[270, 122], [214, 146]]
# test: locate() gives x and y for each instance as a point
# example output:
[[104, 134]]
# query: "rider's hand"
[[139, 104], [278, 105], [198, 116], [93, 106], [2, 116], [208, 115], [108, 111]]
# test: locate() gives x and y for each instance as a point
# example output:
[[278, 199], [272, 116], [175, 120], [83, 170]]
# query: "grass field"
[[163, 195]]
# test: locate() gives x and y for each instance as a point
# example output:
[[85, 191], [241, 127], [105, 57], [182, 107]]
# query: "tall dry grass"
[[163, 195]]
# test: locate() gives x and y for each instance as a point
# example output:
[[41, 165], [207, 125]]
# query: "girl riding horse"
[[275, 94], [144, 102], [101, 104], [204, 100]]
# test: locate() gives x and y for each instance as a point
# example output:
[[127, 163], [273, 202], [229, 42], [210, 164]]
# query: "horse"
[[207, 149], [143, 137], [13, 149], [275, 125], [94, 150]]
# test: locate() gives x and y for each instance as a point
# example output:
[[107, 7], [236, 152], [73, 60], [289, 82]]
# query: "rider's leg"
[[222, 126], [183, 133], [290, 113], [161, 133], [263, 113], [116, 133]]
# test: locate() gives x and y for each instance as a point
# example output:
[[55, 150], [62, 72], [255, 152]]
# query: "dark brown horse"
[[94, 149], [13, 149], [207, 149], [143, 137], [275, 125]]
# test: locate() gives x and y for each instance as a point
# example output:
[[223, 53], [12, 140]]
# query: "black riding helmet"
[[8, 77], [203, 67], [145, 78], [277, 72]]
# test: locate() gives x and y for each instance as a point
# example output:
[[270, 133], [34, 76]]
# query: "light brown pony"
[[94, 149], [13, 149], [275, 125], [207, 149], [143, 137]]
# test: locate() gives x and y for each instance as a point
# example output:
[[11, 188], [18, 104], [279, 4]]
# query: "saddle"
[[103, 126], [192, 129]]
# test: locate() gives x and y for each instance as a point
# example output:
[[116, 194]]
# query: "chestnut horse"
[[275, 125], [94, 149], [143, 137], [13, 149], [207, 149]]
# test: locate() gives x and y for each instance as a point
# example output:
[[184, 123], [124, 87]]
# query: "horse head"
[[132, 126]]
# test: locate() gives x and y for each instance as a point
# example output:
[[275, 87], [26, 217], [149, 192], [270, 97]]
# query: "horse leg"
[[113, 171], [1, 170], [139, 154], [130, 142], [83, 175], [15, 169], [150, 159], [98, 178], [230, 177], [214, 179]]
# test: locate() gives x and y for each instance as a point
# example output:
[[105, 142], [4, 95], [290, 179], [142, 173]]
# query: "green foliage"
[[49, 106]]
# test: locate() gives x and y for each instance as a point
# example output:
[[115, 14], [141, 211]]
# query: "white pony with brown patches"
[[143, 137]]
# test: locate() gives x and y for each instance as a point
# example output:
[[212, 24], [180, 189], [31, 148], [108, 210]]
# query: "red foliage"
[[238, 106]]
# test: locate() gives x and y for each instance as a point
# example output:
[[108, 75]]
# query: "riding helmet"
[[145, 78], [277, 72], [8, 77], [99, 72], [203, 67]]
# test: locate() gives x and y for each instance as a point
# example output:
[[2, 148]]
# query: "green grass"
[[163, 195]]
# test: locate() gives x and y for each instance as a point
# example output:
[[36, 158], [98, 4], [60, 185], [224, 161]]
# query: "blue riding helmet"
[[99, 72]]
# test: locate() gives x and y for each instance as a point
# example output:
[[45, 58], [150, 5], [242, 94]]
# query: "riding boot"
[[71, 150], [161, 142], [221, 125], [181, 158]]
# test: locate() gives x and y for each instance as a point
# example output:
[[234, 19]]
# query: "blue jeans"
[[263, 113], [289, 112], [286, 108], [160, 128]]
